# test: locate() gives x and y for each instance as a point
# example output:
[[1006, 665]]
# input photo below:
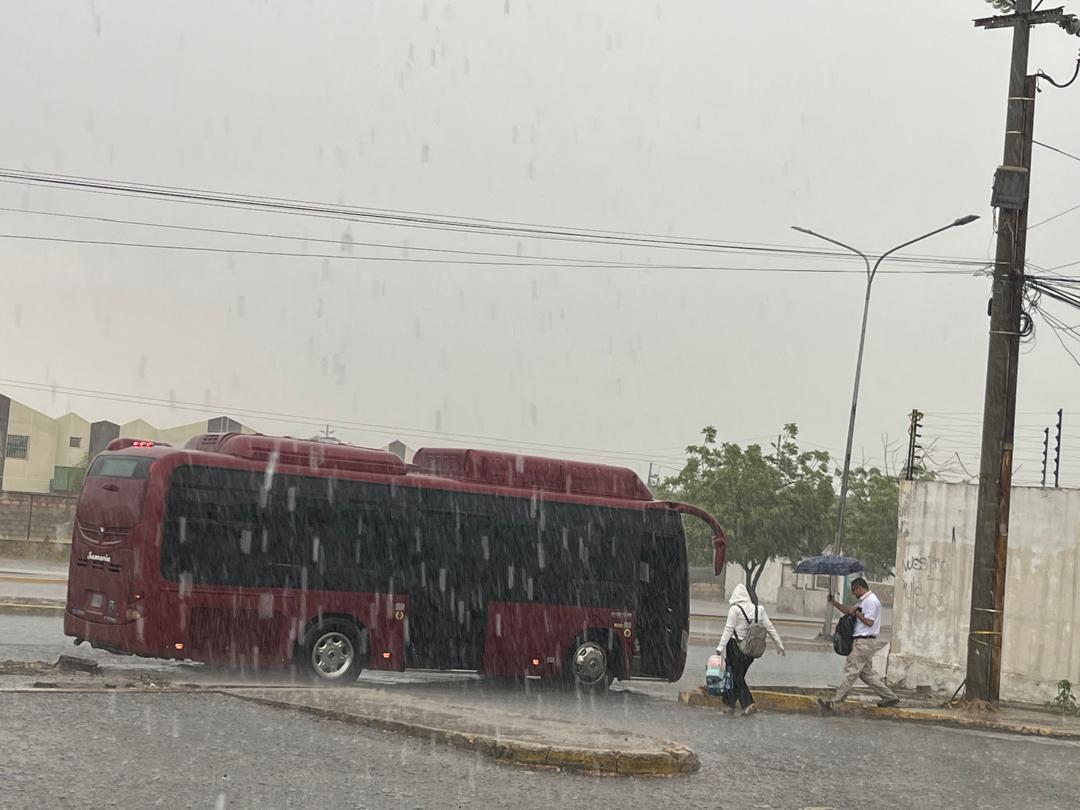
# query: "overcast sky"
[[870, 122]]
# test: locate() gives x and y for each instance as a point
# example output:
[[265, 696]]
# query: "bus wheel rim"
[[590, 663], [332, 654]]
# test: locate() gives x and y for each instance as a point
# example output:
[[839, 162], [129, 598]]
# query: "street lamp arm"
[[955, 223], [809, 232]]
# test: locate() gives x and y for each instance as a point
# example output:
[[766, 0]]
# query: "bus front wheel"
[[591, 665], [333, 650]]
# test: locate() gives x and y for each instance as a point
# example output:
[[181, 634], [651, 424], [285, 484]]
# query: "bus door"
[[448, 590], [663, 599]]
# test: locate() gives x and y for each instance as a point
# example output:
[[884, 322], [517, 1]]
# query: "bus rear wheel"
[[334, 651], [590, 666]]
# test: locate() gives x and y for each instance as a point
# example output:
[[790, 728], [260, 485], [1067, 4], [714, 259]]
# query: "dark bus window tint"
[[120, 467]]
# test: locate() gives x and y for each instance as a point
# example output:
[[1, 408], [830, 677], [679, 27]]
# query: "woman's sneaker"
[[749, 710]]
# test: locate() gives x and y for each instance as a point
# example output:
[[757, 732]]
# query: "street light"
[[870, 273]]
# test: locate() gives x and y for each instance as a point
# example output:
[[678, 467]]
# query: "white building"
[[43, 454]]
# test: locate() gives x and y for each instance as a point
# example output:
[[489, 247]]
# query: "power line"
[[350, 243], [1055, 216], [470, 262], [488, 227], [1055, 149], [296, 238]]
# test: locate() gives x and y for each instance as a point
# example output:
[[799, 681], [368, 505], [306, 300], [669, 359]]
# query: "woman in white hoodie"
[[742, 612]]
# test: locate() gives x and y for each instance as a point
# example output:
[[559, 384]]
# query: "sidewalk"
[[1010, 718], [42, 568], [720, 609], [32, 586]]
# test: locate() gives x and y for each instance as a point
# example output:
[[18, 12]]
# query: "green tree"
[[770, 504], [872, 517]]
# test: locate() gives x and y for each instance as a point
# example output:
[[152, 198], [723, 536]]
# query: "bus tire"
[[334, 650], [592, 662]]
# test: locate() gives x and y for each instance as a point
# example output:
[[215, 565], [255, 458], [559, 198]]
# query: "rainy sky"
[[729, 122]]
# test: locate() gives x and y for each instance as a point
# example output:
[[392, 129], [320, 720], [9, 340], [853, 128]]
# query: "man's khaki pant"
[[859, 664]]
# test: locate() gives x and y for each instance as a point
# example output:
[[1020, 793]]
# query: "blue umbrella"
[[830, 564]]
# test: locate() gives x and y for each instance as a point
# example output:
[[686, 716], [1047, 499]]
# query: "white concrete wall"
[[35, 472], [1041, 642], [768, 586], [70, 426]]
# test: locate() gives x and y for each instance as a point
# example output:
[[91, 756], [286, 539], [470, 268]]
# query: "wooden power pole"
[[1010, 197]]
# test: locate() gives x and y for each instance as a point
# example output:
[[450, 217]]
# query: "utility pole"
[[1010, 197], [1057, 452], [913, 442]]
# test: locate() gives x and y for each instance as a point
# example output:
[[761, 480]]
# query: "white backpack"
[[753, 644]]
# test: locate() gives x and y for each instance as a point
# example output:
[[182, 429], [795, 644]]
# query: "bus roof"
[[532, 472], [476, 467]]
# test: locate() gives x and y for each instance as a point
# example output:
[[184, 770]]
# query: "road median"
[[525, 740], [1032, 721]]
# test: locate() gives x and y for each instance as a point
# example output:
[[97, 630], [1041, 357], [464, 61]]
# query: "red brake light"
[[124, 444], [386, 656], [536, 662]]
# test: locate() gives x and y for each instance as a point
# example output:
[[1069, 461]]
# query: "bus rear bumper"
[[120, 639]]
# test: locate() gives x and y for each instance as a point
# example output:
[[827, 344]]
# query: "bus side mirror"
[[719, 553]]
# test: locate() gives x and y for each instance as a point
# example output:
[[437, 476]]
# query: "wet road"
[[205, 750], [41, 638], [180, 751]]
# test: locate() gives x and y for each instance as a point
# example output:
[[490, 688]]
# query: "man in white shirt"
[[865, 645]]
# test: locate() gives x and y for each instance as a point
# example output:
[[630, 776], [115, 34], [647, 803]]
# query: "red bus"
[[261, 552]]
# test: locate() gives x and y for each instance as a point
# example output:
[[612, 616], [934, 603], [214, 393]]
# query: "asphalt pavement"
[[41, 638], [210, 750], [199, 751]]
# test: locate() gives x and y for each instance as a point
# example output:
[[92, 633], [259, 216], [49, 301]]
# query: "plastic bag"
[[716, 676]]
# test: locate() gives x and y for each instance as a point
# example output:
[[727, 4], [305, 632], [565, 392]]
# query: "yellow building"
[[42, 454]]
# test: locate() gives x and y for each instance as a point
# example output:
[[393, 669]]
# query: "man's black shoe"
[[888, 704], [826, 706]]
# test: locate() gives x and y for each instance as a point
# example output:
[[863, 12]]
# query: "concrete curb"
[[807, 704], [668, 759], [31, 607], [789, 643]]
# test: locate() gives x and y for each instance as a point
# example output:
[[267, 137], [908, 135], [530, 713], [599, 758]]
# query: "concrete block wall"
[[935, 549], [36, 526]]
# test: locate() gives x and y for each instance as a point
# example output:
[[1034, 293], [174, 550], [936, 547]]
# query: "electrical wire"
[[1055, 216], [472, 262], [346, 243], [474, 225], [1054, 148]]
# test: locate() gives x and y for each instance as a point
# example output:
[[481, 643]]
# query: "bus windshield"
[[107, 466]]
